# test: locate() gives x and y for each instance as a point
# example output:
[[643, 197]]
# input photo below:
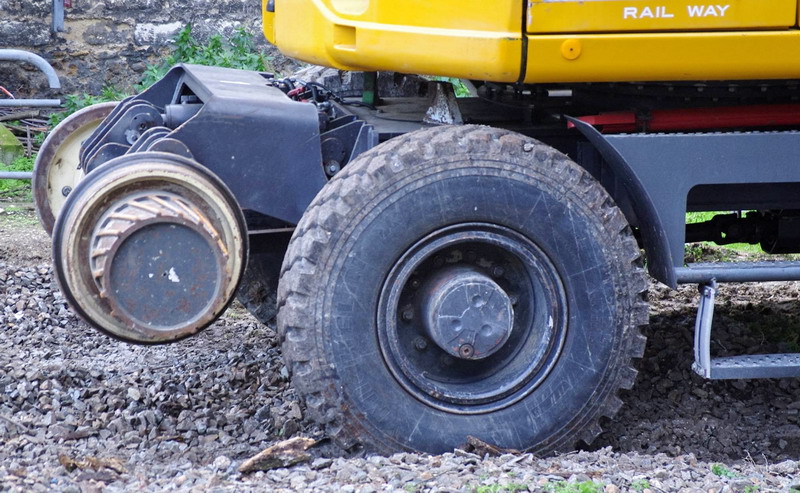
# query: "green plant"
[[17, 188], [498, 488], [75, 102], [640, 485], [565, 487], [238, 51], [460, 88], [722, 471], [751, 488]]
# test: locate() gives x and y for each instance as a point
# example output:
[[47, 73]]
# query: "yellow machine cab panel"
[[544, 41]]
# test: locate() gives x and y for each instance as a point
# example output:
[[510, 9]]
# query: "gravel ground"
[[82, 412]]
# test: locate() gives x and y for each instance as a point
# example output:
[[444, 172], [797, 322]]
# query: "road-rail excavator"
[[445, 267]]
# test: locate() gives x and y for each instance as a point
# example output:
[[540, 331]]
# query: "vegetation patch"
[[238, 51]]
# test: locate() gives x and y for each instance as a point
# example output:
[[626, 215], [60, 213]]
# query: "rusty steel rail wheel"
[[57, 168], [150, 248]]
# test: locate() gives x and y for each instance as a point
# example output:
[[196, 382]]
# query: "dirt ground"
[[197, 408]]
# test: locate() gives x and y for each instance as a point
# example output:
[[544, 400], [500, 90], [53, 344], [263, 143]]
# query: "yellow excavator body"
[[542, 41]]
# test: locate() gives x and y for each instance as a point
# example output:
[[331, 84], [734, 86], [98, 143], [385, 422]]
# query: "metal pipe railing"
[[16, 175], [30, 103], [35, 60]]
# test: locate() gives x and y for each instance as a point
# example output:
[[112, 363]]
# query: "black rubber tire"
[[258, 290], [385, 201]]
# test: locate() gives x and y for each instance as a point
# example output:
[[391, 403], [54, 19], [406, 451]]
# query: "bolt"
[[415, 283], [420, 344], [438, 261], [66, 191], [498, 271], [528, 147], [514, 299], [466, 350], [408, 314], [332, 167]]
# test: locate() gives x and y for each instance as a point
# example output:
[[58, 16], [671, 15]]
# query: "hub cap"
[[466, 313], [472, 318]]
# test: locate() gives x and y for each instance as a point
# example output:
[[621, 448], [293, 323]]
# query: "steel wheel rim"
[[525, 358], [57, 164]]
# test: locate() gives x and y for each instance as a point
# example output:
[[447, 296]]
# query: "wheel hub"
[[144, 256], [150, 248], [471, 318], [466, 313]]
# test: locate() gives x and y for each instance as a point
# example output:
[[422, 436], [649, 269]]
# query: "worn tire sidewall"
[[508, 192]]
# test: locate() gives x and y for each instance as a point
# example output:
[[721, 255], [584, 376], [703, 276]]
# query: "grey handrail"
[[33, 59]]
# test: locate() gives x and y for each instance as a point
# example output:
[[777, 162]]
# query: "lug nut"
[[466, 350], [66, 191], [498, 271], [420, 344], [408, 314]]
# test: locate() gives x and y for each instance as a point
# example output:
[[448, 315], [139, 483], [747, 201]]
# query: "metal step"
[[756, 366], [747, 366], [702, 273]]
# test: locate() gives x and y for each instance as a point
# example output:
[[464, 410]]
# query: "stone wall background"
[[110, 42]]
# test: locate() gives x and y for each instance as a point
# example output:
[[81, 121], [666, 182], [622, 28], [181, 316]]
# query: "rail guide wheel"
[[150, 248], [57, 169]]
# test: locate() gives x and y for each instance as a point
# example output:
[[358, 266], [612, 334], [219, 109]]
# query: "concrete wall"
[[110, 42]]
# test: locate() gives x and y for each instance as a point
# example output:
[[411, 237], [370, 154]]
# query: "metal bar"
[[739, 272], [765, 115], [781, 365], [58, 16], [702, 330], [35, 60], [370, 94], [16, 175], [33, 103]]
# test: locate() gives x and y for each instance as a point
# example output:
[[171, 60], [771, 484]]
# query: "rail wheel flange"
[[150, 248]]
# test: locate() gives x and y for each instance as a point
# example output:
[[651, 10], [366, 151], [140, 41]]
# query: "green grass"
[[698, 217], [722, 471], [502, 488], [565, 487], [17, 189], [640, 485]]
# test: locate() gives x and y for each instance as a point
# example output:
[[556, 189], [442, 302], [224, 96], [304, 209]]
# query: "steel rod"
[[39, 62], [33, 103], [16, 175]]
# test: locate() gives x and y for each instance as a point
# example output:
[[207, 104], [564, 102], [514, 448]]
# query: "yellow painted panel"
[[457, 38], [664, 57], [562, 16], [268, 22]]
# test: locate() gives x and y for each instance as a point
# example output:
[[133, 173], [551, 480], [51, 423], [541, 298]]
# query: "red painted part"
[[771, 115]]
